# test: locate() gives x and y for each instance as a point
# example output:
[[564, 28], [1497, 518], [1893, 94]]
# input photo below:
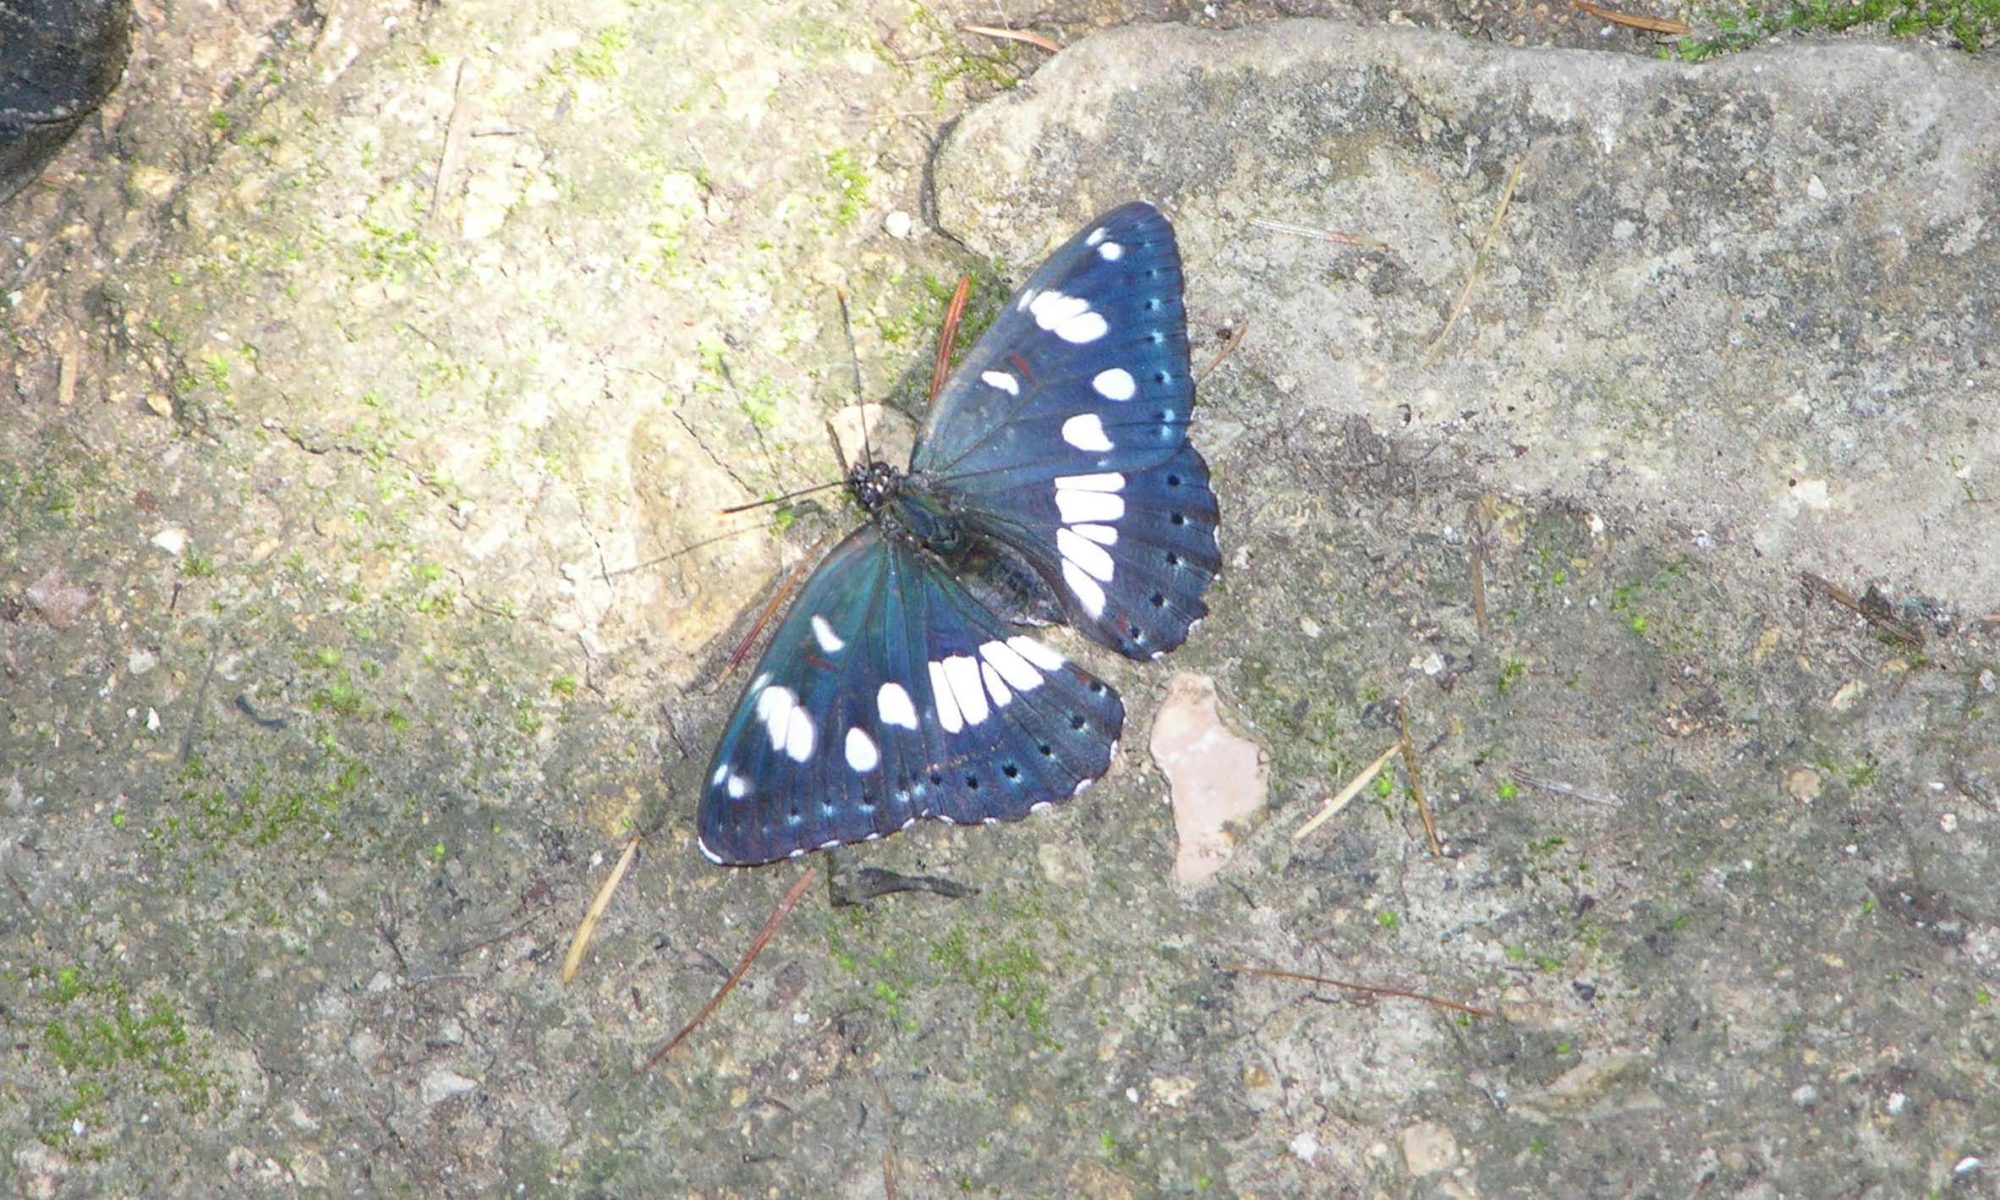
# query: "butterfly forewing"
[[1088, 362], [888, 693], [1064, 434]]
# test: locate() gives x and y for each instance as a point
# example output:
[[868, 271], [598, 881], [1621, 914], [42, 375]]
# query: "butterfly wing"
[[889, 693], [1063, 434]]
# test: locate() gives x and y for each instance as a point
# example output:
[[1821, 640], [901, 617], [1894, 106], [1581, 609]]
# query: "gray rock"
[[1751, 298]]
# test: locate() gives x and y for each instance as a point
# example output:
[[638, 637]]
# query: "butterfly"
[[1052, 481]]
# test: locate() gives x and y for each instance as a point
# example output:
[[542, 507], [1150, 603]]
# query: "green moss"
[[849, 181], [105, 1042], [599, 58], [1009, 979], [260, 812], [1970, 24], [961, 59]]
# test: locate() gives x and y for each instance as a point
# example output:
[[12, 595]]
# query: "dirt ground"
[[370, 375]]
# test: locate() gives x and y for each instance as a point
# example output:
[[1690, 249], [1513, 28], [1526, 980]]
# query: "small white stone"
[[441, 1085], [897, 224], [172, 539]]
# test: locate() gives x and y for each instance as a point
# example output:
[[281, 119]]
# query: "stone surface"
[[1747, 299], [377, 387]]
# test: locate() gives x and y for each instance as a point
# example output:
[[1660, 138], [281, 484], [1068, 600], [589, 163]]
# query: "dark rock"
[[59, 59]]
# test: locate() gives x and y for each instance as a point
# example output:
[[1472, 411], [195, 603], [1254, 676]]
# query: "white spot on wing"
[[774, 708], [1087, 328], [1088, 592], [1002, 380], [1012, 666], [1103, 535], [1096, 236], [799, 735], [1089, 557], [1102, 481], [1111, 251], [1077, 507], [739, 787], [962, 672], [1086, 432], [1036, 653], [861, 752], [721, 773], [994, 687], [829, 641], [1115, 384], [893, 705], [948, 714], [1068, 317]]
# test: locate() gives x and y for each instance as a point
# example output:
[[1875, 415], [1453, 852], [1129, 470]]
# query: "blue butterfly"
[[1052, 481]]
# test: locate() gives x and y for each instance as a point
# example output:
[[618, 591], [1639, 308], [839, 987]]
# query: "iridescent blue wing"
[[1063, 435], [889, 693]]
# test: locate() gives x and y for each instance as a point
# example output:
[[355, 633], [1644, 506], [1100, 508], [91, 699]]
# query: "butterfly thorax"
[[906, 508]]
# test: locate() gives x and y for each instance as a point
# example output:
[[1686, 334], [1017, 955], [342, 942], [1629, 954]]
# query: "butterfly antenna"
[[684, 550], [737, 508], [854, 361], [948, 335]]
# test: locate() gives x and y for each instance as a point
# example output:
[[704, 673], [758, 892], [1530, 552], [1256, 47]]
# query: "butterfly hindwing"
[[1064, 435], [888, 693]]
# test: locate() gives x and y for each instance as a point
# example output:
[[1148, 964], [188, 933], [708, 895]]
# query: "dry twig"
[[1012, 35], [1478, 265], [1522, 777], [588, 927], [1475, 517], [1649, 24], [1321, 235], [757, 944], [1236, 336], [1409, 750], [1353, 789], [953, 314], [1364, 988]]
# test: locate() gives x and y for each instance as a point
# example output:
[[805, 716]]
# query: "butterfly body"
[[1052, 481]]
